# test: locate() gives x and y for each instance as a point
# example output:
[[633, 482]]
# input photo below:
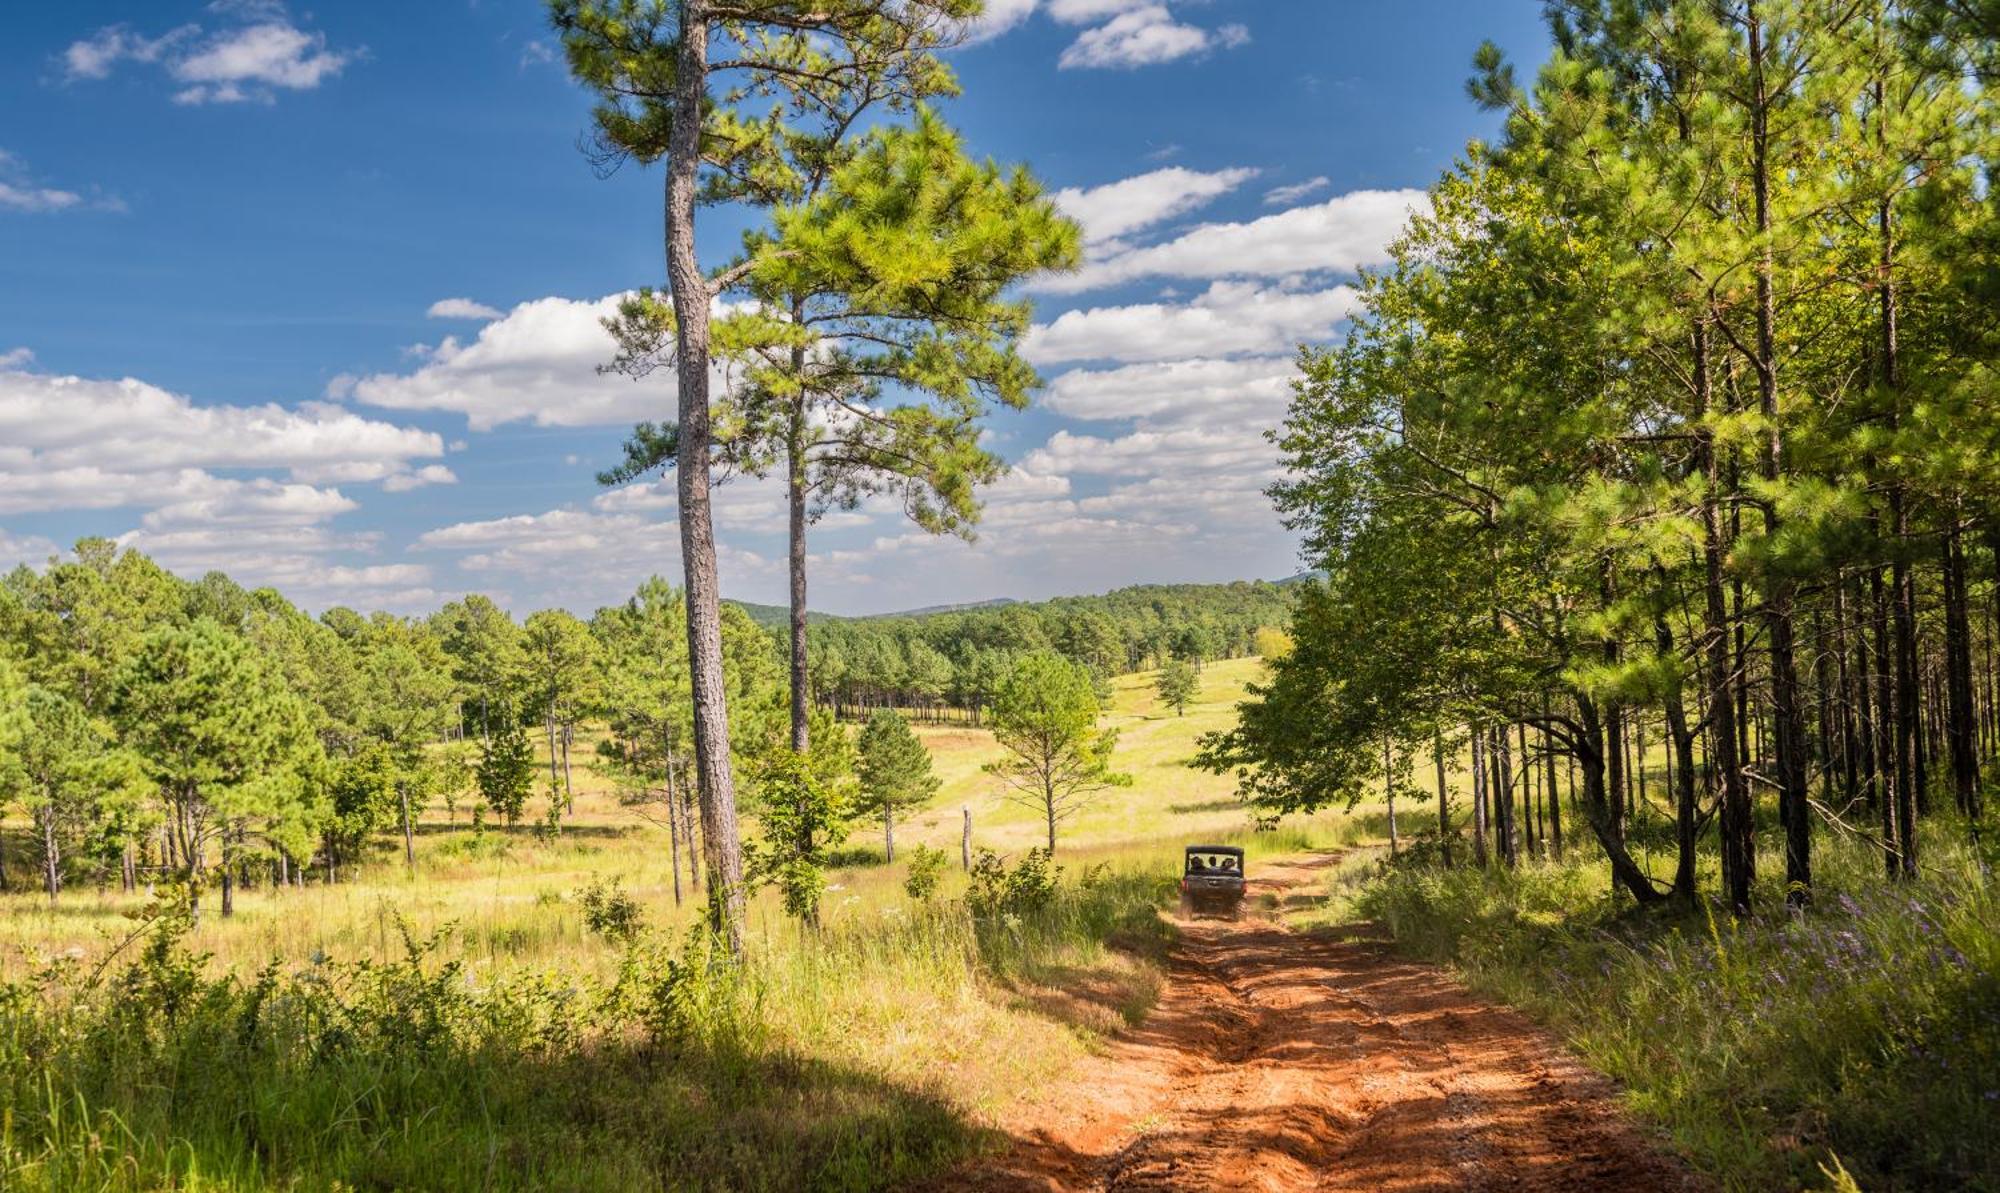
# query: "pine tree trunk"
[[569, 788], [1589, 746], [1477, 734], [1529, 838], [549, 727], [1049, 803], [691, 299], [965, 842], [888, 831], [409, 830], [1738, 846], [1555, 801], [674, 826], [1389, 792], [228, 877], [45, 818], [1961, 731], [1846, 707], [795, 492], [1444, 799], [1786, 712]]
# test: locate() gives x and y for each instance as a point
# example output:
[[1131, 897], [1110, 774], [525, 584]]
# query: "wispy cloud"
[[461, 308], [20, 192], [1285, 196], [260, 53]]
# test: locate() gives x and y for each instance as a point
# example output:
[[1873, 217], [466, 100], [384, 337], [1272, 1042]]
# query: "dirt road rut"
[[1282, 1060]]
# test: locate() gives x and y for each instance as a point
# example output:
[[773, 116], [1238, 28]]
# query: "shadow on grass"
[[614, 1116]]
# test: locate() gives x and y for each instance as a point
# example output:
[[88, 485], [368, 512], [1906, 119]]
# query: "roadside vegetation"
[[1776, 1050], [1654, 492]]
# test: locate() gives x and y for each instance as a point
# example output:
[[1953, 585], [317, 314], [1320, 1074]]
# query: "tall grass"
[[1866, 1027], [854, 1059]]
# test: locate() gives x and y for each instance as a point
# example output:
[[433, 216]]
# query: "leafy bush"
[[998, 891], [926, 871], [610, 912]]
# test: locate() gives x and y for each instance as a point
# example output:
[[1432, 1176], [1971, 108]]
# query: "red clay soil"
[[1281, 1060]]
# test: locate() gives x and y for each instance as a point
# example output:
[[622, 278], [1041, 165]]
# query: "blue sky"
[[309, 294]]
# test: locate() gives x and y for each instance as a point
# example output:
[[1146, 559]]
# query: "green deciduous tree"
[[1057, 759], [506, 771], [806, 804]]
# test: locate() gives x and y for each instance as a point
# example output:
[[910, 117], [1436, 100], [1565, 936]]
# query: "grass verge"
[[1866, 1028], [856, 1059]]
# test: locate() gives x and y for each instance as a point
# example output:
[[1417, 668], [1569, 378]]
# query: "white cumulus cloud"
[[1253, 390], [262, 52], [1228, 319], [1344, 234], [537, 363], [20, 192], [1132, 204], [1144, 35]]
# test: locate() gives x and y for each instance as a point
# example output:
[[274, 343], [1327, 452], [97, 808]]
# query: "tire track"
[[1280, 1061]]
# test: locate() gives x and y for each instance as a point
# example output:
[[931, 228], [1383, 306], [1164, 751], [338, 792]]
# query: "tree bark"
[[674, 825], [704, 615], [1389, 792], [1787, 715], [409, 831], [1680, 742], [1962, 724], [45, 817], [1444, 800], [795, 494], [1477, 734], [1588, 745], [1895, 774]]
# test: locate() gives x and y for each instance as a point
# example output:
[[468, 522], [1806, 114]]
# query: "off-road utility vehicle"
[[1212, 881]]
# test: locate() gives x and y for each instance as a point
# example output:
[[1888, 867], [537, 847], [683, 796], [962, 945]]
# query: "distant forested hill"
[[928, 659]]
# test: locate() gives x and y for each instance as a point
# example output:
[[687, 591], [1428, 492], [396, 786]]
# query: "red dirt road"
[[1281, 1060]]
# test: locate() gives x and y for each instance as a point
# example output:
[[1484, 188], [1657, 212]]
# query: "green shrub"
[[998, 891], [926, 871], [610, 912]]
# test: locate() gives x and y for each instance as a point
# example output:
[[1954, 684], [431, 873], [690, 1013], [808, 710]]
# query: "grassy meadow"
[[460, 1023], [511, 895]]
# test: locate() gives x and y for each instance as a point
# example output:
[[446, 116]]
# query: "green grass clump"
[[423, 1070], [1865, 1028]]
